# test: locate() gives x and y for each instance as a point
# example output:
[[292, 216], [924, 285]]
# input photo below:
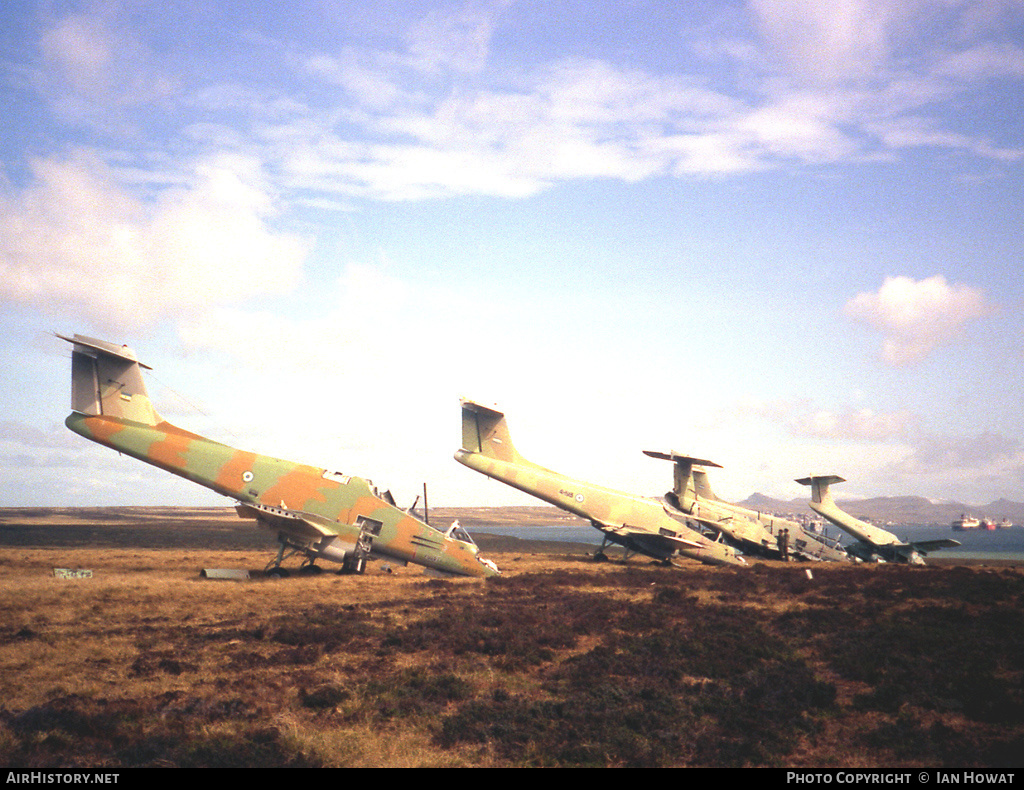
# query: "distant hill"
[[767, 504], [897, 509]]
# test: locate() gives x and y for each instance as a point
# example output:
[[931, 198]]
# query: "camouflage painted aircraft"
[[639, 524], [763, 534], [874, 544], [316, 513]]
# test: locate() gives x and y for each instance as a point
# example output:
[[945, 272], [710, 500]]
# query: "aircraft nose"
[[491, 568]]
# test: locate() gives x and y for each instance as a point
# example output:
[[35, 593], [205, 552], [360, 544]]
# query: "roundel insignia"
[[247, 477], [579, 497]]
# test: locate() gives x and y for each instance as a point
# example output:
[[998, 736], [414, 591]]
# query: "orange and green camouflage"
[[315, 512], [638, 524]]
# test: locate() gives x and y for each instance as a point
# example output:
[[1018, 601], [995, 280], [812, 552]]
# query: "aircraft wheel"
[[278, 573], [600, 557], [311, 570]]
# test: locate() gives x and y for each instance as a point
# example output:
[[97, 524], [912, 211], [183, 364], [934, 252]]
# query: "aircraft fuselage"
[[334, 509], [622, 517]]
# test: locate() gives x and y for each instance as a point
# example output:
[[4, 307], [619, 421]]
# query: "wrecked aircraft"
[[873, 544], [754, 533], [316, 513], [640, 525]]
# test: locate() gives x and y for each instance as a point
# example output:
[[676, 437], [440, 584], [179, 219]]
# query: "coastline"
[[220, 529]]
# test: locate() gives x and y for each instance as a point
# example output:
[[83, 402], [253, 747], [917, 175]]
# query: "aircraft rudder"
[[485, 431], [702, 486]]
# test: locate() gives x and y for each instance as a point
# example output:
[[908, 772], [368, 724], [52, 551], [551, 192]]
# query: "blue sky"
[[782, 235]]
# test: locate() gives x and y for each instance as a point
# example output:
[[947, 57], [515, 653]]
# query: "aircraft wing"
[[931, 545], [717, 524], [667, 538], [304, 525]]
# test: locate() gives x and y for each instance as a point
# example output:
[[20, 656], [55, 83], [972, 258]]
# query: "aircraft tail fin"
[[820, 493], [873, 542], [106, 379], [485, 431], [702, 486], [687, 482]]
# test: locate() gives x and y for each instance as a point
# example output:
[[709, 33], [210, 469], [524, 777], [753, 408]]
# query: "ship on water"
[[970, 522], [965, 522]]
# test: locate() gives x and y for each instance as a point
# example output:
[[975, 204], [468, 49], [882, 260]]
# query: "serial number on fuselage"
[[571, 495]]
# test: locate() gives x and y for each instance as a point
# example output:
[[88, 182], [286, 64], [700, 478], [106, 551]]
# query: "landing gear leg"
[[355, 562], [274, 566]]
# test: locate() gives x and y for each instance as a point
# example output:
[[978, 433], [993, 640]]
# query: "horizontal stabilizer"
[[824, 479], [92, 346], [820, 487], [479, 408], [687, 482], [681, 459]]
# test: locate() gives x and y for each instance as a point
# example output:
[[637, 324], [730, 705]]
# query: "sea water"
[[1000, 544]]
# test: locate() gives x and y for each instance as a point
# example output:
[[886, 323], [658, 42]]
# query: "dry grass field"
[[560, 662]]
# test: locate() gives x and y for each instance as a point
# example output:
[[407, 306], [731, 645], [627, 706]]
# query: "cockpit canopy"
[[458, 533]]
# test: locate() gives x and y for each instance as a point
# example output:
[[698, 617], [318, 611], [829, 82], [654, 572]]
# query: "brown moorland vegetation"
[[560, 662]]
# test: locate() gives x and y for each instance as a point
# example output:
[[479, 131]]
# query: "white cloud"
[[89, 66], [857, 425], [858, 40], [844, 92], [914, 131], [372, 384], [917, 316], [947, 466], [431, 115], [966, 454], [76, 241], [800, 418], [832, 41], [880, 452], [569, 119], [986, 60], [802, 126], [81, 51], [457, 40]]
